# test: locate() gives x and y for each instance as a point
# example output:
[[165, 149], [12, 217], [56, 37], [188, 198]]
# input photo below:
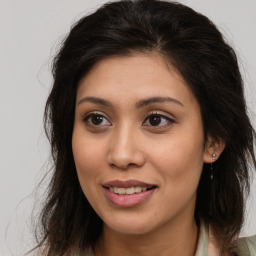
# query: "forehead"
[[134, 77]]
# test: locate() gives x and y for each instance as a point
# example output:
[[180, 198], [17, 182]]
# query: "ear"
[[213, 149]]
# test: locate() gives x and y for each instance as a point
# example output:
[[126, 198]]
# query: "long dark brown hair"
[[195, 47]]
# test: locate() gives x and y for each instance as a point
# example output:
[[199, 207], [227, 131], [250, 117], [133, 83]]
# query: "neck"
[[179, 238]]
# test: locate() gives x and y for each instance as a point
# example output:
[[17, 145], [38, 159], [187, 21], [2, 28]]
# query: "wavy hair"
[[195, 47]]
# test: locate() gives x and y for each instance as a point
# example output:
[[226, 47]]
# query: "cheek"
[[179, 164], [88, 163], [86, 152], [178, 154], [180, 157], [87, 159]]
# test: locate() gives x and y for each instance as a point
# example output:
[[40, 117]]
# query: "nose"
[[125, 148]]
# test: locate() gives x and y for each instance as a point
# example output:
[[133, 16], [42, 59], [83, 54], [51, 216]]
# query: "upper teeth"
[[128, 191]]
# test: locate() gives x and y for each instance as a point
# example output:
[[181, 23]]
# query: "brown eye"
[[95, 119], [154, 120], [158, 120]]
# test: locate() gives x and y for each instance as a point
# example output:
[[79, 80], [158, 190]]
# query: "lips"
[[127, 184], [128, 193]]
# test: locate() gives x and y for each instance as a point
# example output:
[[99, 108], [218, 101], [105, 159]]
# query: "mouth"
[[128, 193], [128, 187]]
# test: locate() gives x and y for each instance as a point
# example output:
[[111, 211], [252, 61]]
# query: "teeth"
[[130, 191], [127, 191], [119, 191]]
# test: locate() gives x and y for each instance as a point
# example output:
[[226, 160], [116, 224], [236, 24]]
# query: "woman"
[[150, 137]]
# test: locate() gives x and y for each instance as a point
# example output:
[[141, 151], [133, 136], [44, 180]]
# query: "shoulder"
[[246, 246]]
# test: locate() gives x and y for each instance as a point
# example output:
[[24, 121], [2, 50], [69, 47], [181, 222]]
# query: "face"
[[138, 143]]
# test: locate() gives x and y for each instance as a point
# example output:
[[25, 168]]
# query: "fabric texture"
[[247, 246], [206, 246]]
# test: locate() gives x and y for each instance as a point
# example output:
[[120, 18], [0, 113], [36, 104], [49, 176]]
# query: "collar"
[[206, 245]]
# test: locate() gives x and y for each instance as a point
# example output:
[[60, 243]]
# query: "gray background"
[[29, 35]]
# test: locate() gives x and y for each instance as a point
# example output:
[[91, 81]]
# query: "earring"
[[213, 158], [211, 172]]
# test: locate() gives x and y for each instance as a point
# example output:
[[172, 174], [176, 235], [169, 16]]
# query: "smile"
[[128, 193]]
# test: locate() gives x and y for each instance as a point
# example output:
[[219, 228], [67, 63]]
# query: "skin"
[[125, 145]]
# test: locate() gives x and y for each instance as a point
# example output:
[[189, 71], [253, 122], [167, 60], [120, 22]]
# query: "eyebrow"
[[139, 104], [95, 100], [152, 100]]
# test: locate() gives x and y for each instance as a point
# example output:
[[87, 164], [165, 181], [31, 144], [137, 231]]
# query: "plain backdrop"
[[30, 32]]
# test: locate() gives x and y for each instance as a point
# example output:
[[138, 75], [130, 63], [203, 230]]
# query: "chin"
[[131, 230], [130, 226]]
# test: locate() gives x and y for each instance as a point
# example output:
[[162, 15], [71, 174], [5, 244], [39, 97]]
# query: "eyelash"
[[87, 119], [155, 114]]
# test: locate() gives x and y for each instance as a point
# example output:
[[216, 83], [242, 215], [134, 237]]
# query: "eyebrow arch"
[[139, 104], [148, 101], [96, 101]]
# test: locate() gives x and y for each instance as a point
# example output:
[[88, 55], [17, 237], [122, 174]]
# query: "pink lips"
[[128, 200]]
